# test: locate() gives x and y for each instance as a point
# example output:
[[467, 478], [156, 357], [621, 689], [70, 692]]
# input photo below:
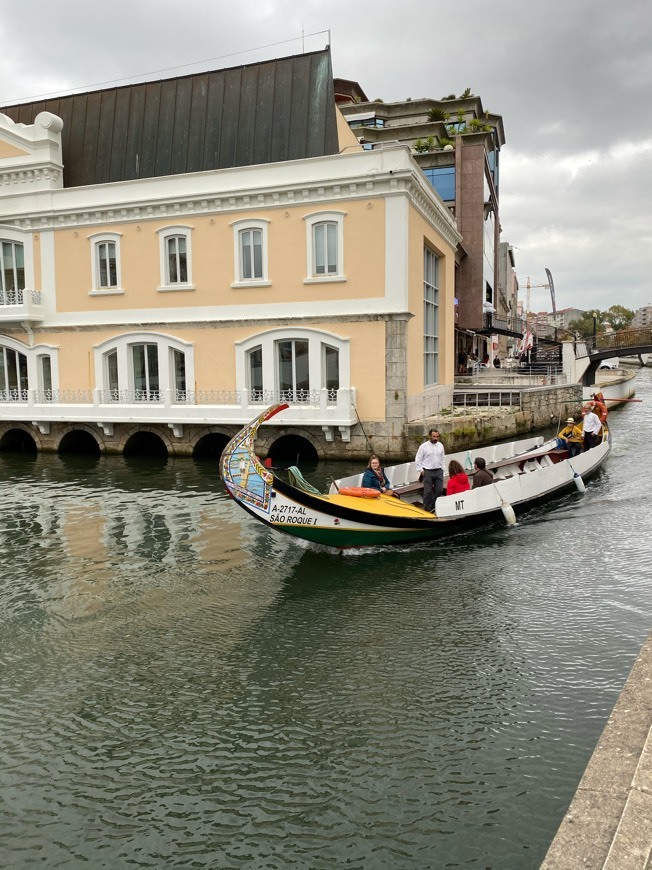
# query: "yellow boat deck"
[[385, 505]]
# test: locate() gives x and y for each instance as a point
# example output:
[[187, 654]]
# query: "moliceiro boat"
[[523, 472]]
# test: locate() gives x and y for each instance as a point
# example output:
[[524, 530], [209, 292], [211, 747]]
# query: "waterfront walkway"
[[608, 825]]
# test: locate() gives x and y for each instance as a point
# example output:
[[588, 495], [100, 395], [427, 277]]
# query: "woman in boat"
[[374, 477], [458, 480]]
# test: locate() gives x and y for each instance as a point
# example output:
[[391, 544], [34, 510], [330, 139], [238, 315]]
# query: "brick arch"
[[32, 431], [197, 434], [264, 444], [153, 430], [80, 427]]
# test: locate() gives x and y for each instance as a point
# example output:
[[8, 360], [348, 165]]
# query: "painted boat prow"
[[246, 479]]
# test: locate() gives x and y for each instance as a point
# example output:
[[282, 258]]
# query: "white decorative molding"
[[360, 175], [39, 161]]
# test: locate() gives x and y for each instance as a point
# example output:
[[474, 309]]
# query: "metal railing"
[[485, 398], [615, 341]]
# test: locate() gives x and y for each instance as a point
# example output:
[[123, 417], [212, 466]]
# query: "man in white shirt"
[[591, 429], [430, 461]]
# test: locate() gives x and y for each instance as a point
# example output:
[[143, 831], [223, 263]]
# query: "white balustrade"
[[324, 407]]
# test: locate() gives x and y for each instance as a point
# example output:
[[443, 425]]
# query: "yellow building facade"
[[180, 305]]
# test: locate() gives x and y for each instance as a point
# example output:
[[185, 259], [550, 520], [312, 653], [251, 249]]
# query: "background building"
[[457, 145]]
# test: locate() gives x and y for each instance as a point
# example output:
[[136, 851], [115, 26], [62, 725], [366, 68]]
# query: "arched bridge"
[[625, 342]]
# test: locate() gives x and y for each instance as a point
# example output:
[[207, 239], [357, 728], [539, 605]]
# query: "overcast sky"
[[571, 78]]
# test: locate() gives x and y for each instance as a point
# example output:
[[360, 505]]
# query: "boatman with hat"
[[430, 462], [570, 437]]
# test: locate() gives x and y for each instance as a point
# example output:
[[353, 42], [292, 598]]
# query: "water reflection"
[[180, 686]]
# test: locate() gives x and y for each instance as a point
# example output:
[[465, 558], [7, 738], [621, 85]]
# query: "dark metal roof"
[[260, 113]]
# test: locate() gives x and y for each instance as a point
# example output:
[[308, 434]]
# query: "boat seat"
[[545, 461], [531, 465], [506, 471], [410, 487]]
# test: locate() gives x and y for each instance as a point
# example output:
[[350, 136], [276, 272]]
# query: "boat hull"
[[343, 521]]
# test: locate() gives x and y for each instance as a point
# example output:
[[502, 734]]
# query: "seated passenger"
[[458, 480], [375, 478], [570, 437], [482, 477]]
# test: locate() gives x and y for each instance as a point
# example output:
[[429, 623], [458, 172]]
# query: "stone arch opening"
[[79, 441], [18, 441], [210, 446], [292, 450], [145, 444]]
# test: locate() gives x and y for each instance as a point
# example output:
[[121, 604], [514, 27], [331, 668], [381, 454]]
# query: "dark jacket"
[[370, 480], [482, 477]]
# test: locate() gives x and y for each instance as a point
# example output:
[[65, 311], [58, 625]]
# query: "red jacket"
[[458, 483]]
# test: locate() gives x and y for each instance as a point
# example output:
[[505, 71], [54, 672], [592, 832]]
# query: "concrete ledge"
[[608, 825]]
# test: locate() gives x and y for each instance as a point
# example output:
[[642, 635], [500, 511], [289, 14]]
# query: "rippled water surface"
[[180, 687]]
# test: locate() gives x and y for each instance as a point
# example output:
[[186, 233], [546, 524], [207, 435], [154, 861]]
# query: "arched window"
[[24, 368], [293, 365], [144, 367], [13, 375]]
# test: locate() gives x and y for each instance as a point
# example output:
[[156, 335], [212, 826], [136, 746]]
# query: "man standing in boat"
[[591, 428], [430, 462]]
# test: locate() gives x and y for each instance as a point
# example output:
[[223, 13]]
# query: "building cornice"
[[263, 322], [345, 177]]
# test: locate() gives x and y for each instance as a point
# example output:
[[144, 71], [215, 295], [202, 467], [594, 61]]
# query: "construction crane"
[[548, 286]]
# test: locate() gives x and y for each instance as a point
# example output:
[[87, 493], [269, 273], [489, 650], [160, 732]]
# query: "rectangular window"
[[177, 260], [251, 254], [331, 371], [107, 267], [293, 371], [179, 367], [112, 375], [442, 178], [13, 375], [12, 273], [145, 372], [325, 248], [256, 373], [46, 374], [430, 317]]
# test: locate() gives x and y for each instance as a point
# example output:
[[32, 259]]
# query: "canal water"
[[180, 687]]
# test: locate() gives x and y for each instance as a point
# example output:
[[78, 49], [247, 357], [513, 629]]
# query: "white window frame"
[[123, 344], [240, 226], [431, 297], [97, 239], [34, 354], [165, 233], [336, 217], [268, 342], [10, 234]]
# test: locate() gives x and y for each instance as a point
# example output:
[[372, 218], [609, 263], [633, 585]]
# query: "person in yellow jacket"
[[571, 437]]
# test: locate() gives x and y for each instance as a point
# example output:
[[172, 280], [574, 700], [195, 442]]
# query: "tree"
[[589, 322], [619, 317]]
